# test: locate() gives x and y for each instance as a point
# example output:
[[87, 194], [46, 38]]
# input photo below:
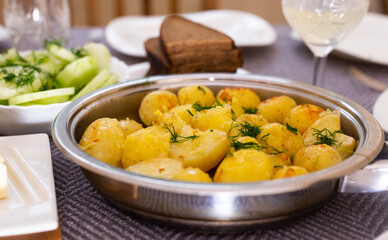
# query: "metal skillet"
[[213, 206]]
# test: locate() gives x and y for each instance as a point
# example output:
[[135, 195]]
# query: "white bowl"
[[16, 120]]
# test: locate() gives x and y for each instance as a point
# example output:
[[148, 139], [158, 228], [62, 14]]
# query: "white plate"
[[31, 203], [140, 70], [3, 33], [380, 110], [367, 42], [17, 120], [128, 34]]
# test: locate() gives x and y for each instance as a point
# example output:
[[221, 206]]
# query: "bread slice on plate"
[[179, 35]]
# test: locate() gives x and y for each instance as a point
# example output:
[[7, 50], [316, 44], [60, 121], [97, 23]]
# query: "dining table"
[[84, 214]]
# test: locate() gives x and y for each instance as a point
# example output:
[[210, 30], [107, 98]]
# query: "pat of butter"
[[3, 178]]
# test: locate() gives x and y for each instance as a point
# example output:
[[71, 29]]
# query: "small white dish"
[[16, 120], [128, 34], [380, 110], [367, 42], [30, 206], [140, 70]]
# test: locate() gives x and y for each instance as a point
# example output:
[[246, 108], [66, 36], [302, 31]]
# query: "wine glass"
[[322, 24]]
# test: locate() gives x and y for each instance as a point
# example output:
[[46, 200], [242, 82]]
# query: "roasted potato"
[[290, 171], [275, 109], [144, 144], [161, 100], [247, 124], [204, 151], [157, 167], [303, 116], [103, 139], [344, 145], [278, 138], [280, 159], [219, 117], [170, 119], [185, 112], [196, 93], [246, 165], [192, 175], [329, 122], [129, 126], [317, 157], [246, 97]]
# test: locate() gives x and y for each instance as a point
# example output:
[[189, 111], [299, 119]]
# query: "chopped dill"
[[201, 88], [79, 52], [248, 129], [52, 41], [188, 110], [278, 166], [248, 145], [25, 77], [176, 138], [198, 107], [250, 110], [264, 138], [325, 136], [294, 130]]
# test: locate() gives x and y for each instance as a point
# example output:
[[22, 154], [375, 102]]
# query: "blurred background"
[[100, 12]]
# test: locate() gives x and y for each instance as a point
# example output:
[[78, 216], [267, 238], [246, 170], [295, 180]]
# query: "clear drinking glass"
[[30, 22], [322, 24]]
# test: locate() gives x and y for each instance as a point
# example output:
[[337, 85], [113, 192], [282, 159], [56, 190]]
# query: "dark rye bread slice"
[[209, 57], [160, 65], [180, 35]]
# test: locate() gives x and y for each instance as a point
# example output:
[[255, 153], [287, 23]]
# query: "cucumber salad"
[[54, 74]]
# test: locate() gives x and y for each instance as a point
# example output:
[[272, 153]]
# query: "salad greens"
[[54, 74]]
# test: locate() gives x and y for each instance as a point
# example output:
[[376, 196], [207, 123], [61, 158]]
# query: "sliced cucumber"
[[78, 73], [49, 100], [6, 93], [99, 52], [29, 97], [94, 84], [4, 102], [114, 78], [61, 52]]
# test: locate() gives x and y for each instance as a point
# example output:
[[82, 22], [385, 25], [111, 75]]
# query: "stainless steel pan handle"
[[372, 178]]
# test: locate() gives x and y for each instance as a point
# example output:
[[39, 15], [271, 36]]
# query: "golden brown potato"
[[185, 112], [303, 116], [165, 168], [129, 126], [219, 118], [147, 143], [161, 100], [246, 97], [317, 157], [330, 122], [246, 165], [170, 119], [196, 93], [192, 175], [278, 138], [275, 109], [204, 152], [280, 159], [103, 139], [290, 171], [345, 145], [247, 122]]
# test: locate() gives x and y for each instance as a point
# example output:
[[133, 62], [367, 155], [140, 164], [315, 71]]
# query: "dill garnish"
[[79, 52], [200, 88], [25, 77], [188, 110], [294, 130], [325, 136], [250, 110], [248, 145], [250, 130], [176, 138], [51, 41], [198, 106]]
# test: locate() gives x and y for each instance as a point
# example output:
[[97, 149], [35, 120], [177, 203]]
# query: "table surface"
[[84, 214]]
